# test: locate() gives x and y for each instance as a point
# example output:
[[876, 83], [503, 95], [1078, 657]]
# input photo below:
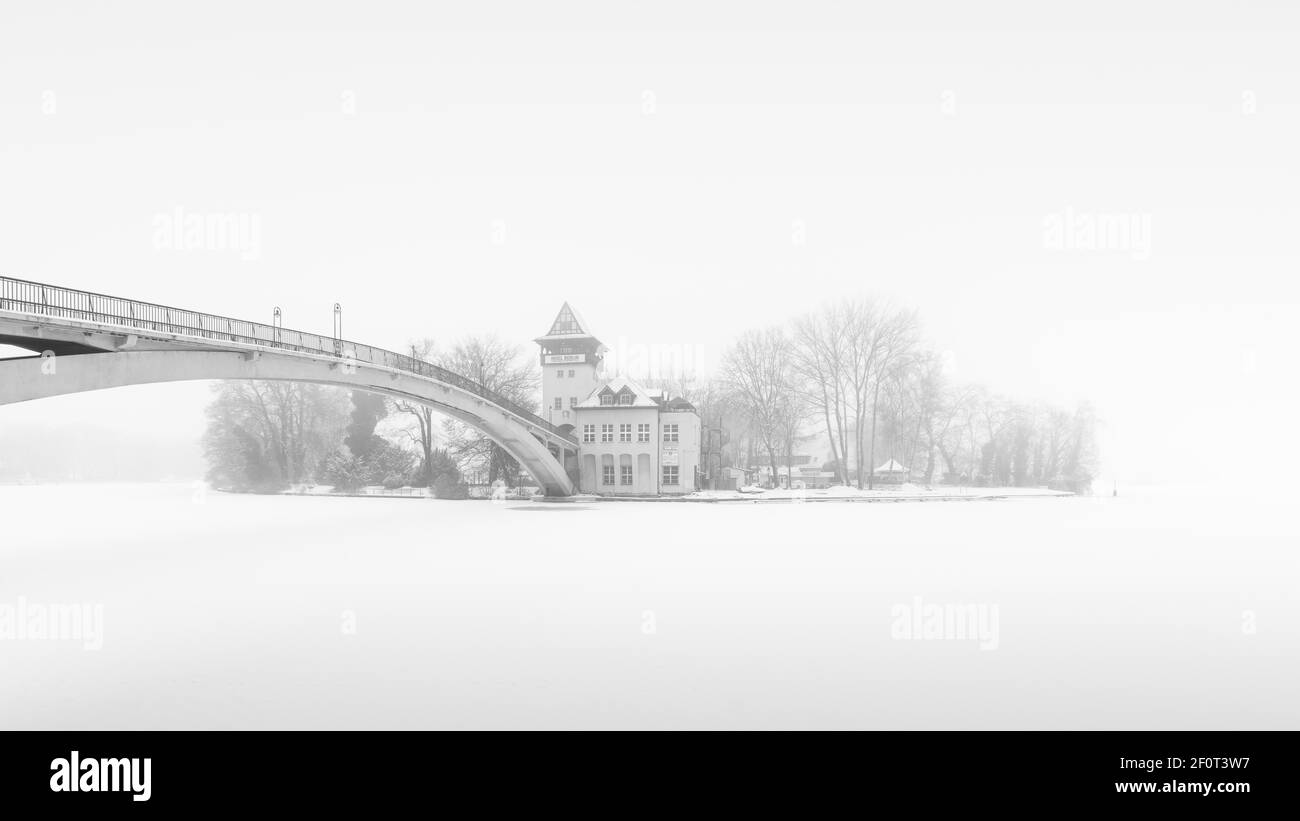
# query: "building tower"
[[572, 366]]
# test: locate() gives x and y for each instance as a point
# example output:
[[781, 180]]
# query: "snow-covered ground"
[[1151, 610], [904, 492]]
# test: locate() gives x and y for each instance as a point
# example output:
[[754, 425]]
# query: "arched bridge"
[[100, 341]]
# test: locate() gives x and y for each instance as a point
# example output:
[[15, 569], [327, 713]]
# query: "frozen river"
[[207, 610]]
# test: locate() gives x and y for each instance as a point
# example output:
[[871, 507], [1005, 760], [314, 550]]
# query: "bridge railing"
[[27, 297]]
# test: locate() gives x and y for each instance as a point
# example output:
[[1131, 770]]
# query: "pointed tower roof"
[[568, 324]]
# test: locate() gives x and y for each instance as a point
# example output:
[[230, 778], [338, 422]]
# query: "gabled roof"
[[891, 467], [641, 398]]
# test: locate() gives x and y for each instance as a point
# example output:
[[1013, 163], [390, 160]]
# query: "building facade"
[[632, 441]]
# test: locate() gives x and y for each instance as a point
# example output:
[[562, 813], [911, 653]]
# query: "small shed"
[[729, 479]]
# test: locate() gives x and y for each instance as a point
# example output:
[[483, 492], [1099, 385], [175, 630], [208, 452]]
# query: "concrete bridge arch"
[[92, 354]]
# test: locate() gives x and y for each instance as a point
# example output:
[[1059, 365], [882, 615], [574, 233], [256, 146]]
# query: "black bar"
[[911, 772]]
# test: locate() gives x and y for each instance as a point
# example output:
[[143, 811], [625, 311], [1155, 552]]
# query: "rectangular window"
[[625, 475], [643, 433], [670, 474], [559, 403], [607, 399], [589, 433], [607, 475], [570, 373], [607, 434], [670, 433], [625, 398], [573, 401], [625, 433], [559, 374]]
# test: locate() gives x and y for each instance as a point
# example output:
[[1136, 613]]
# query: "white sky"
[[653, 167]]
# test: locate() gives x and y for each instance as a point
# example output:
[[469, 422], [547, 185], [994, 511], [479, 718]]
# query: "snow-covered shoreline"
[[899, 493], [896, 493]]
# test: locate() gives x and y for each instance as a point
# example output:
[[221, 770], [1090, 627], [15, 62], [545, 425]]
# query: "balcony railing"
[[26, 297]]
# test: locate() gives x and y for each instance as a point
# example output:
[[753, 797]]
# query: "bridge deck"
[[34, 298]]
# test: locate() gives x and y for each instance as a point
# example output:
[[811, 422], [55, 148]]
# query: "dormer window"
[[624, 396]]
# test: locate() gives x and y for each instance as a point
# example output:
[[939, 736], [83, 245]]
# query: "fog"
[[681, 178]]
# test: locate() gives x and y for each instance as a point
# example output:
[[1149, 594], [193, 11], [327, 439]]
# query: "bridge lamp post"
[[338, 329], [277, 324]]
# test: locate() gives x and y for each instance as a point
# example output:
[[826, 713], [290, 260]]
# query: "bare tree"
[[1056, 444], [794, 414], [1081, 456], [504, 369], [421, 433], [858, 368], [265, 435], [758, 369], [994, 417], [893, 337], [883, 338], [914, 392], [726, 426], [945, 425], [819, 359]]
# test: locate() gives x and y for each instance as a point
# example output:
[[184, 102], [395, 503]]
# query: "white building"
[[632, 441]]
